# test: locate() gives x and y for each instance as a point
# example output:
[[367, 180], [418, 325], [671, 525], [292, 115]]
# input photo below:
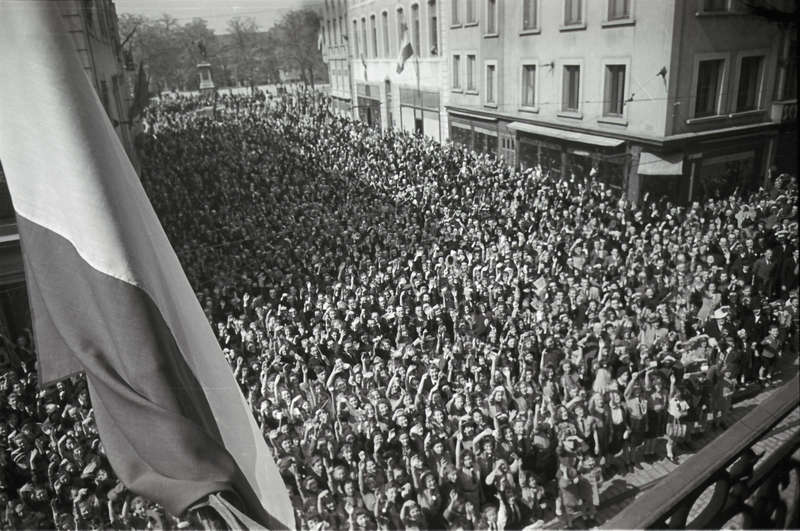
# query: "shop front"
[[570, 153], [369, 104], [341, 106], [661, 175], [419, 112], [475, 132], [723, 168]]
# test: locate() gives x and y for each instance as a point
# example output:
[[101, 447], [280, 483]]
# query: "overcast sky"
[[216, 12]]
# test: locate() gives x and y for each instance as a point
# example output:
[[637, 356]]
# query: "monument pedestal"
[[206, 82]]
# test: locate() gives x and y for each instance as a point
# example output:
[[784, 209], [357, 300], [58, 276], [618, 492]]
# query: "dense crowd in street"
[[429, 338]]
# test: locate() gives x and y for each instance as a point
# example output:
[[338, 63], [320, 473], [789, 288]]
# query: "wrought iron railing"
[[746, 485]]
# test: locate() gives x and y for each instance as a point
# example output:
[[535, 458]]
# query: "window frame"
[[491, 31], [455, 73], [365, 37], [763, 53], [563, 111], [607, 72], [387, 36], [373, 35], [536, 28], [723, 83], [399, 21], [415, 35], [356, 46], [455, 14], [618, 120], [467, 21], [467, 78], [608, 22], [495, 84], [528, 62], [580, 25], [434, 38]]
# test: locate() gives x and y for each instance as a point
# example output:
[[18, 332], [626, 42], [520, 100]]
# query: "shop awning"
[[569, 136], [652, 164]]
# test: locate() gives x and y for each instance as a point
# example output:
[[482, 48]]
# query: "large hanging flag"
[[406, 50], [108, 295], [320, 40]]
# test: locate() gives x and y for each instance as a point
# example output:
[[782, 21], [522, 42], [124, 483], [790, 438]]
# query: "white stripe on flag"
[[98, 204]]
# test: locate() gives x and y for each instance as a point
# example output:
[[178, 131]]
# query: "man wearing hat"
[[719, 326], [764, 276]]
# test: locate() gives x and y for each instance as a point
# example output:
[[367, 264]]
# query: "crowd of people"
[[429, 338]]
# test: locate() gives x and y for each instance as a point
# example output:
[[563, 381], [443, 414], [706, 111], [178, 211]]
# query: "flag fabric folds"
[[108, 295], [406, 51]]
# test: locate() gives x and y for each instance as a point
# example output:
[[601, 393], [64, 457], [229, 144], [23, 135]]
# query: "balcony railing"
[[743, 483], [783, 111]]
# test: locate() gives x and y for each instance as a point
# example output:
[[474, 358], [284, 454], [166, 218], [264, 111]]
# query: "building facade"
[[336, 55], [671, 97], [370, 34], [93, 26]]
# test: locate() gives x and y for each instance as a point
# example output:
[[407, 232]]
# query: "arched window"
[[373, 28], [401, 26], [356, 51], [415, 29], [385, 29], [364, 37], [433, 28]]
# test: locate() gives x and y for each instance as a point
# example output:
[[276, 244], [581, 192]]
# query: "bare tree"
[[298, 31]]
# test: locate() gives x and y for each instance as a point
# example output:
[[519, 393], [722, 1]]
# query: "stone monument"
[[206, 82]]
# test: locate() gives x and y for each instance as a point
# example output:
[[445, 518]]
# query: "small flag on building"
[[406, 50], [320, 40], [364, 64], [108, 295]]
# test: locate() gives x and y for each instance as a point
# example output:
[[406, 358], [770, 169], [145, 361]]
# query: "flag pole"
[[419, 90]]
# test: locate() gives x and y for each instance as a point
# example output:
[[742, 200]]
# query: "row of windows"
[[466, 12], [372, 39], [710, 75], [710, 79], [613, 101]]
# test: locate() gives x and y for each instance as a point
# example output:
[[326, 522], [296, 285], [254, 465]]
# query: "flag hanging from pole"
[[320, 40], [406, 50], [108, 295], [364, 65]]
